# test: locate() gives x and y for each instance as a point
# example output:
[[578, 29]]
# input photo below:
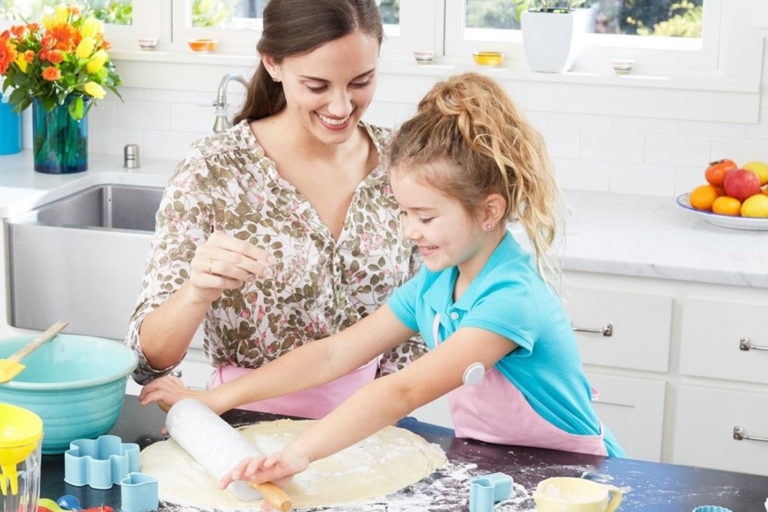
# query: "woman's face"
[[328, 89]]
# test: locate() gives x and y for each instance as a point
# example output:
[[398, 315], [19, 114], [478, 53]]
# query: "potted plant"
[[551, 32]]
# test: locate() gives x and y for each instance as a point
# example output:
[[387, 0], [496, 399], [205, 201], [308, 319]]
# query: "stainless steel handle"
[[605, 330], [745, 344], [739, 435]]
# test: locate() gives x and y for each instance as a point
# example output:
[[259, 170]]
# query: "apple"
[[741, 184]]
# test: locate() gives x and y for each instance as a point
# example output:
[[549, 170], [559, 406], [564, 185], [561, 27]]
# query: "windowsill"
[[705, 98]]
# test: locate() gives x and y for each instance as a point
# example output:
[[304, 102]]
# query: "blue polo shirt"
[[509, 298]]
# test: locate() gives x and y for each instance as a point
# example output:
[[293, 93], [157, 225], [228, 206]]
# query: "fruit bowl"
[[488, 58], [202, 45], [726, 221]]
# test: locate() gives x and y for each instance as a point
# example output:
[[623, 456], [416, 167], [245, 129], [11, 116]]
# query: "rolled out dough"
[[383, 463]]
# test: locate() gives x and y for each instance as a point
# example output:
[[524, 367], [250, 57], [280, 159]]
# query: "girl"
[[461, 168]]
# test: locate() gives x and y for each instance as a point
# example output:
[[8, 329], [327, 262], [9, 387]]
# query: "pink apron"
[[495, 411], [314, 402]]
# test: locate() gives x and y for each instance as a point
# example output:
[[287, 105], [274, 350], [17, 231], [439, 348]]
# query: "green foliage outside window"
[[119, 12], [212, 13], [390, 11]]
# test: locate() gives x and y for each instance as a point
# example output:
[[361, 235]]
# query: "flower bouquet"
[[59, 68]]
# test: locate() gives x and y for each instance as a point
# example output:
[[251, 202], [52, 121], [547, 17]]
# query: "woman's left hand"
[[166, 391]]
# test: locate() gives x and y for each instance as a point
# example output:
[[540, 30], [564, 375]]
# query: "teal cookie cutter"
[[100, 463], [138, 493]]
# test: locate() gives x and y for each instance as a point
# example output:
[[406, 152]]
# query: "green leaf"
[[76, 108]]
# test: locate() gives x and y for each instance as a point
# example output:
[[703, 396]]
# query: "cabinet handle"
[[605, 330], [745, 344], [739, 435]]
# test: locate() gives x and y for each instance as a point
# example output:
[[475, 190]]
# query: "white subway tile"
[[643, 179], [561, 143], [167, 144], [166, 96], [709, 129], [104, 113], [193, 118], [611, 146], [643, 124], [581, 174], [145, 114], [687, 178], [569, 121], [666, 149], [739, 150], [111, 140]]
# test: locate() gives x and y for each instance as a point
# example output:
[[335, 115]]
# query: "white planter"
[[551, 40]]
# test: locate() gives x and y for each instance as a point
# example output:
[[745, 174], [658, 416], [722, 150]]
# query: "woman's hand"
[[277, 468], [223, 263]]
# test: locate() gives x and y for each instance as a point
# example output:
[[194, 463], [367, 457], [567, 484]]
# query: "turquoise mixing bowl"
[[76, 384]]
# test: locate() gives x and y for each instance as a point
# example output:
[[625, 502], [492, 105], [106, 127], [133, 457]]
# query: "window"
[[116, 12]]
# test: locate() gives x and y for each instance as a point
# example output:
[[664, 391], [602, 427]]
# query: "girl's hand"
[[224, 263], [166, 391], [277, 468]]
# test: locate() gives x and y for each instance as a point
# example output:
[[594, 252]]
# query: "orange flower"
[[29, 55], [43, 54], [18, 31], [65, 36], [33, 27], [47, 42], [51, 73], [55, 57], [7, 54]]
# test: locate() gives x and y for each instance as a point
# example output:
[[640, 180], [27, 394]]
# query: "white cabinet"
[[706, 418], [686, 364]]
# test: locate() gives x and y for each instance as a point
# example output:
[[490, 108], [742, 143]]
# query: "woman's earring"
[[275, 78], [488, 226]]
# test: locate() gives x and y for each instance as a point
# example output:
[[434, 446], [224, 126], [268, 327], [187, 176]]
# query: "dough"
[[383, 463]]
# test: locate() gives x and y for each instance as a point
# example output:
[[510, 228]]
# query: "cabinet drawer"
[[640, 327], [633, 409], [706, 418], [711, 333]]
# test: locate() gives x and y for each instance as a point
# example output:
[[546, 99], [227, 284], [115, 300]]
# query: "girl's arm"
[[380, 403], [309, 365]]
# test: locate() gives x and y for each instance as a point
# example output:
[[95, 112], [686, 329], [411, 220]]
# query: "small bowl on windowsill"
[[622, 66], [203, 44], [424, 56], [147, 43], [488, 58]]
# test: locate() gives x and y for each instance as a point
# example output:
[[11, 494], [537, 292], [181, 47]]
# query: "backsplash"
[[618, 154]]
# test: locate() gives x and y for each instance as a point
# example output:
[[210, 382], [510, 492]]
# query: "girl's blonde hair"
[[470, 121]]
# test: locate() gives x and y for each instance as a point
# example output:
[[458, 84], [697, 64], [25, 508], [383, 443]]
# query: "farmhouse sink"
[[81, 259]]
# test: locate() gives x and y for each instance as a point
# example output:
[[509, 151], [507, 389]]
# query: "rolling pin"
[[219, 447]]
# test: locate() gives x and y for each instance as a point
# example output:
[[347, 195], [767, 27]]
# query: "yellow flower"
[[21, 61], [85, 48], [59, 17], [95, 90], [91, 27], [97, 61]]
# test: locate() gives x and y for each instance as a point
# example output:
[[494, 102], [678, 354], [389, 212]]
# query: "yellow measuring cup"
[[20, 433]]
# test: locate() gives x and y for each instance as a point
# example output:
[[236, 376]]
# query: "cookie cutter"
[[711, 508], [138, 492], [100, 463], [486, 490]]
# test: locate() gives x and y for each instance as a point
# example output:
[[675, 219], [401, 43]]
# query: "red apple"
[[741, 184]]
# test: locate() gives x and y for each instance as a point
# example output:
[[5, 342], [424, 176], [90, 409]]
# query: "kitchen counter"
[[620, 234], [647, 486]]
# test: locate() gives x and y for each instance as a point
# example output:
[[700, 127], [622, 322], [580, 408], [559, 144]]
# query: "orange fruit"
[[703, 196], [725, 205], [716, 171]]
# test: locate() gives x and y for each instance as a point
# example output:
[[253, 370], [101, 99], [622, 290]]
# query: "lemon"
[[755, 206], [759, 168]]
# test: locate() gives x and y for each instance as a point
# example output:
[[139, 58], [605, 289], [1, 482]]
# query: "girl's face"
[[328, 89], [444, 232]]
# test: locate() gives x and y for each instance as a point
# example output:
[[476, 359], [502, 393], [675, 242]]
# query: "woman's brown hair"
[[470, 122], [296, 27]]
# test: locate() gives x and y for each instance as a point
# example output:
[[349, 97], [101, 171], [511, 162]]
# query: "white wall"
[[600, 152]]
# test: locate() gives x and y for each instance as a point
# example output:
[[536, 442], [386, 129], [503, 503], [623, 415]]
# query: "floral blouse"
[[320, 285]]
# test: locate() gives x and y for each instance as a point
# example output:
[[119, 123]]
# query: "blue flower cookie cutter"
[[100, 463], [138, 493], [486, 490]]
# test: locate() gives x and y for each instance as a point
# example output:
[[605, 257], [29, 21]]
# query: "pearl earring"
[[275, 78]]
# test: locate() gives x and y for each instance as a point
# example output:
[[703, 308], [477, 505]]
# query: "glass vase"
[[60, 143]]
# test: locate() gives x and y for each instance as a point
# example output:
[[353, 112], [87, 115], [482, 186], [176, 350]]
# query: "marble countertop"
[[631, 235]]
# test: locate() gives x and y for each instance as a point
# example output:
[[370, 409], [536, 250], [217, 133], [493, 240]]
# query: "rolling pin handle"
[[274, 495]]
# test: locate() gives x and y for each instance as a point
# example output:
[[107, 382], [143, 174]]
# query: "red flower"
[[51, 73], [29, 56], [18, 31]]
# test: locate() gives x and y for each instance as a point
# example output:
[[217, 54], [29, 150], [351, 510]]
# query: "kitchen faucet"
[[222, 121]]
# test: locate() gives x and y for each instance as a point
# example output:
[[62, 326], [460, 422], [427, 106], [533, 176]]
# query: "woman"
[[270, 233]]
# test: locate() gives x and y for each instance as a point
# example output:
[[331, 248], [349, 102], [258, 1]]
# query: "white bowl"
[[147, 43], [424, 56], [622, 66]]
